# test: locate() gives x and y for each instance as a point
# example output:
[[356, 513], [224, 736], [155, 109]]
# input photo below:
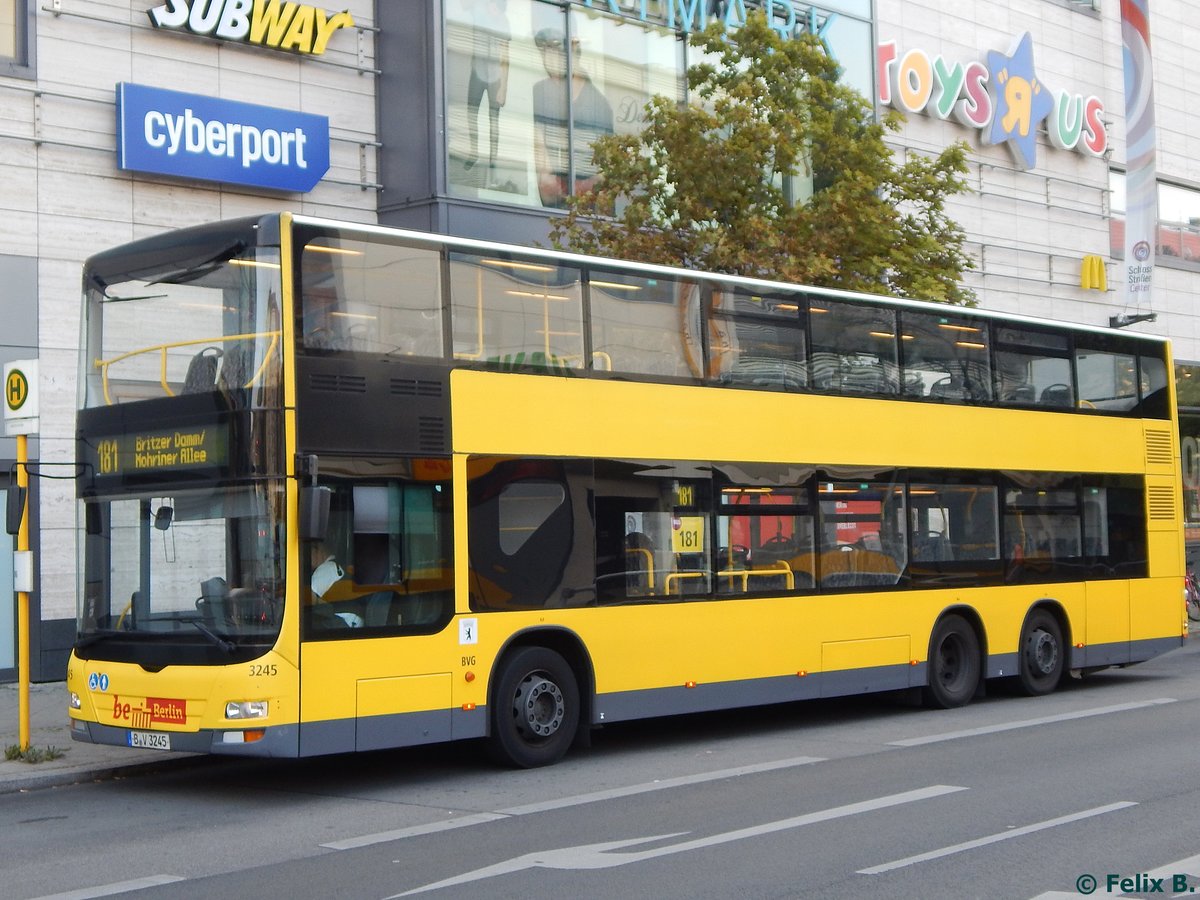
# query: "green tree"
[[703, 185]]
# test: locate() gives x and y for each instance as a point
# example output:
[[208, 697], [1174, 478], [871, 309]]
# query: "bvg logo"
[[150, 711], [270, 23]]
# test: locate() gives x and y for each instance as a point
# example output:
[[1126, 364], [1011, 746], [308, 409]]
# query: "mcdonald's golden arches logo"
[[1093, 275]]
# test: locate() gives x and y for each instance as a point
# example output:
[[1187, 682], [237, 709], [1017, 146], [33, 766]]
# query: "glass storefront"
[[531, 84]]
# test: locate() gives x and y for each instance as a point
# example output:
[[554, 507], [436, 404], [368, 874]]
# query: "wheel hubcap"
[[1043, 652], [950, 666], [539, 707]]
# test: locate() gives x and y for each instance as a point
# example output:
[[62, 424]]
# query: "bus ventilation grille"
[[415, 387], [1160, 448], [337, 383], [431, 434], [1161, 501]]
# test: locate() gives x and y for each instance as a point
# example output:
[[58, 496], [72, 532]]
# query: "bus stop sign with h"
[[20, 421]]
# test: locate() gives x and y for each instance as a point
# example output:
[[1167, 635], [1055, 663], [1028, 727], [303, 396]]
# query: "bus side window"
[[517, 314], [862, 340], [522, 524]]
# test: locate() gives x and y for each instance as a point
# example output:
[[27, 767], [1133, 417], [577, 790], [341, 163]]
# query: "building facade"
[[123, 118]]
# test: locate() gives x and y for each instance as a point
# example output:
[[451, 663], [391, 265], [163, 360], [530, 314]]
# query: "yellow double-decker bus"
[[348, 488]]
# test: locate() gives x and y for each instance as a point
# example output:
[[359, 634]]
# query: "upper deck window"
[[194, 317], [645, 325], [854, 348], [370, 296], [516, 313], [946, 357]]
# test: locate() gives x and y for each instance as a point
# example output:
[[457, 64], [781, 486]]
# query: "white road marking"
[[119, 887], [381, 837], [1030, 723], [995, 838], [1187, 866], [602, 856], [564, 802], [660, 785]]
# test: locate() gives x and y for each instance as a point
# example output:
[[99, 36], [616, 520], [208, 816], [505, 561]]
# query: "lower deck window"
[[554, 533]]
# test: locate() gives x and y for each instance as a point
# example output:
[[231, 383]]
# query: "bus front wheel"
[[535, 710], [954, 667], [1041, 654]]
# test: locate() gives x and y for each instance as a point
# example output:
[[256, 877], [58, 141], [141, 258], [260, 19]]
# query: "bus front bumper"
[[276, 740]]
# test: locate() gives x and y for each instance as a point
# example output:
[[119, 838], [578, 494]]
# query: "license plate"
[[150, 740]]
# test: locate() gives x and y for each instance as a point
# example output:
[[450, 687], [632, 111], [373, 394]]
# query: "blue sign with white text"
[[193, 136]]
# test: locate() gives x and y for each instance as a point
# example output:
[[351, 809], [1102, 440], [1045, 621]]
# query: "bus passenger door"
[[1106, 632]]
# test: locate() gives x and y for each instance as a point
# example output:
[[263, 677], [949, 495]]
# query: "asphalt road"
[[869, 797]]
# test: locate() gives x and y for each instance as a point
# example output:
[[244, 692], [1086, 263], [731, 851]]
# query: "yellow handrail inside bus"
[[671, 577], [104, 364], [774, 570], [648, 571]]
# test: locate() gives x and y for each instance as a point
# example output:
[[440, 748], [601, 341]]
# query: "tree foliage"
[[703, 184]]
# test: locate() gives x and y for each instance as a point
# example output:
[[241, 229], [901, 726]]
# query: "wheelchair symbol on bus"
[[97, 682]]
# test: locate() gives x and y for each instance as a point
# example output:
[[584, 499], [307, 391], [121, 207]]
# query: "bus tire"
[[1042, 656], [954, 667], [535, 710]]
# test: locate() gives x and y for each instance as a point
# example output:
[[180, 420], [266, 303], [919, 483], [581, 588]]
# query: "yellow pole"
[[23, 598]]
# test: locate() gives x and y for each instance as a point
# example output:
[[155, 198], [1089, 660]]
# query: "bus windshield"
[[200, 565], [188, 317]]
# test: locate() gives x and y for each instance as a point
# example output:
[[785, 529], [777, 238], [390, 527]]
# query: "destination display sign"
[[147, 452]]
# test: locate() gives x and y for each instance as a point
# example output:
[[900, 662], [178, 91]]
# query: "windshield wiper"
[[226, 645]]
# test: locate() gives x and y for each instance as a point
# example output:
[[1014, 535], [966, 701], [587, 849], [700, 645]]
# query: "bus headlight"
[[76, 703], [246, 709]]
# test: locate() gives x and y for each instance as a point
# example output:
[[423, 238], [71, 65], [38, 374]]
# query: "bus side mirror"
[[15, 507], [314, 512]]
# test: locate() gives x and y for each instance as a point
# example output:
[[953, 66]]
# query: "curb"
[[68, 775]]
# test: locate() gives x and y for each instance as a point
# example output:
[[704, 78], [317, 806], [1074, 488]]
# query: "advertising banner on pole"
[[1141, 188]]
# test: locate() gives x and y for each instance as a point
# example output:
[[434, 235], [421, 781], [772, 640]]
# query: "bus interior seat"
[[951, 387], [202, 371], [825, 374], [733, 558], [776, 548], [859, 579], [766, 371], [234, 374], [1023, 393], [1056, 395], [932, 547]]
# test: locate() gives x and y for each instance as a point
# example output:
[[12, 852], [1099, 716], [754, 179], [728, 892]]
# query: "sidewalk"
[[48, 728]]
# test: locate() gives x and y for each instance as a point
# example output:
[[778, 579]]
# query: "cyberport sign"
[[292, 27], [1004, 98], [192, 136]]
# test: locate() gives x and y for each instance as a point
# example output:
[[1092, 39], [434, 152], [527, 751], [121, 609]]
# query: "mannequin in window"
[[555, 145], [490, 37]]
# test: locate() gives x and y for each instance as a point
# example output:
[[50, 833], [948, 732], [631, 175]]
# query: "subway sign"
[[192, 136], [292, 27]]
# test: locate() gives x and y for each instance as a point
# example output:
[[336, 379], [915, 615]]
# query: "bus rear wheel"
[[954, 667], [535, 710], [1041, 661]]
